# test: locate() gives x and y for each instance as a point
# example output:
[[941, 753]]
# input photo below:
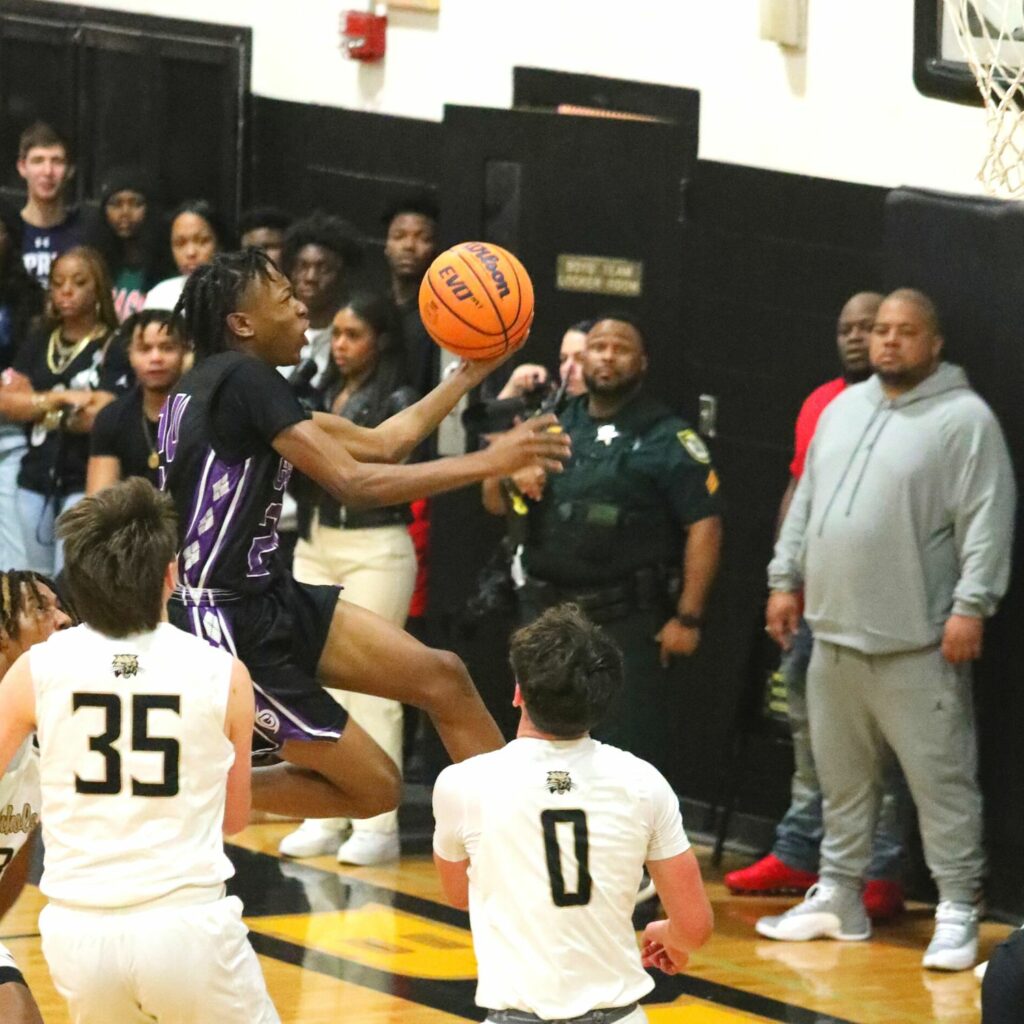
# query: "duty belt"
[[604, 602], [605, 1016]]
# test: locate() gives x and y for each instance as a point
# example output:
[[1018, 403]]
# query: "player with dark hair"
[[144, 743], [29, 613], [555, 829], [229, 437]]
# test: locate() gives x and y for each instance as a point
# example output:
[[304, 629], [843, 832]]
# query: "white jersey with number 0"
[[556, 833], [133, 764]]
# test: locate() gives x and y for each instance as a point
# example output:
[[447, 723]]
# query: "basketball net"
[[989, 44]]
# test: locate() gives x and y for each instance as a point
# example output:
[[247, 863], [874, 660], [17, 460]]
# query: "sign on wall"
[[599, 275]]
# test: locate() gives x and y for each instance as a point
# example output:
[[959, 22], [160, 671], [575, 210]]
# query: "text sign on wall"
[[599, 275]]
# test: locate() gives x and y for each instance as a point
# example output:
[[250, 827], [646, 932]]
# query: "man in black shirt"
[[229, 436], [409, 248], [123, 439]]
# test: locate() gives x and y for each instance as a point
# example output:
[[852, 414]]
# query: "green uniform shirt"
[[633, 483]]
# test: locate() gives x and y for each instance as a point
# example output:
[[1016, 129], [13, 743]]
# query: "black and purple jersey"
[[218, 464]]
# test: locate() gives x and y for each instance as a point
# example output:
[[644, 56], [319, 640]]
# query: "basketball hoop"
[[991, 35]]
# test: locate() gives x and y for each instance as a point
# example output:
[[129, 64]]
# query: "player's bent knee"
[[446, 679]]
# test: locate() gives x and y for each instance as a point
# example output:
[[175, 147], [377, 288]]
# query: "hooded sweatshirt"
[[903, 516]]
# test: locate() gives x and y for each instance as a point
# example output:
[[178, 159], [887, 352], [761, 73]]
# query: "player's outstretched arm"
[[238, 725], [323, 458], [668, 944], [397, 437], [17, 709]]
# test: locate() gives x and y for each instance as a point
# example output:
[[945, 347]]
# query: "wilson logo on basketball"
[[490, 261], [459, 288]]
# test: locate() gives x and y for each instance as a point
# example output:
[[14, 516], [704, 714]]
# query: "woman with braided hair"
[[229, 437], [29, 613]]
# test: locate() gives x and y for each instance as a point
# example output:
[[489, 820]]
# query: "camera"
[[500, 414]]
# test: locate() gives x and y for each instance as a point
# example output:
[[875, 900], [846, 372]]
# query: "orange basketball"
[[476, 300]]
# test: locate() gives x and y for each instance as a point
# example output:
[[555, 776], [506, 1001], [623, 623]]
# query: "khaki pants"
[[377, 567]]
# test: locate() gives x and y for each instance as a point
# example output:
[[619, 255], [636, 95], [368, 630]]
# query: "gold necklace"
[[154, 458], [58, 362]]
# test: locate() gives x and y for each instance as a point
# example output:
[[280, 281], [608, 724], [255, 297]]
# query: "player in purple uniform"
[[229, 437]]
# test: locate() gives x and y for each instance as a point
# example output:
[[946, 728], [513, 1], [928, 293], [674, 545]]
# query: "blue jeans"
[[38, 515], [12, 448], [798, 835]]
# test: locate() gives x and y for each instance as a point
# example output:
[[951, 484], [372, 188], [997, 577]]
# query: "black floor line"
[[270, 886]]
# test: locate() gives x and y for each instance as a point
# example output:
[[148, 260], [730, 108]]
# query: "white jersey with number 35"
[[133, 764], [556, 833]]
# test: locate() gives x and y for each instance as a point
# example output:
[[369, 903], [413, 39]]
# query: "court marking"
[[324, 891]]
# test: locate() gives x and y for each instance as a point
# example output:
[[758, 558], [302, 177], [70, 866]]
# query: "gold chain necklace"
[[154, 458], [59, 361]]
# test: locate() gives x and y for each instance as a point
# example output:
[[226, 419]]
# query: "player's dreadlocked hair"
[[19, 592], [211, 293]]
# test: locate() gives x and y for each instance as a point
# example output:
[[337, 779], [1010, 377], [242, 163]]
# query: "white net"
[[991, 35]]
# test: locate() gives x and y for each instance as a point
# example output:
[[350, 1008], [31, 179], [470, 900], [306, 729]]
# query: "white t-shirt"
[[556, 833], [165, 294], [133, 764]]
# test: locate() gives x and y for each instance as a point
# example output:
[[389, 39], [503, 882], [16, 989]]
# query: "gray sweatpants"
[[920, 706]]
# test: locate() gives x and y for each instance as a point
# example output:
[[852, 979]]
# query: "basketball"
[[476, 300]]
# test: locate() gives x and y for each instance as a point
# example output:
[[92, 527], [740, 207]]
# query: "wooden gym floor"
[[377, 945]]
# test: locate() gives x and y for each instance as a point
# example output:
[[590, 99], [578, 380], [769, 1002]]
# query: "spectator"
[[264, 227], [124, 439], [792, 865], [197, 235], [71, 379], [49, 227], [630, 531], [368, 550], [409, 248], [130, 237], [899, 536], [21, 302], [320, 253]]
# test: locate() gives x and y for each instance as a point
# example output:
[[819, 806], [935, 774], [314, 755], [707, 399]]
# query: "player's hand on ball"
[[657, 953], [536, 442], [476, 370]]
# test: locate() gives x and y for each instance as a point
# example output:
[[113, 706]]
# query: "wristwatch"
[[689, 621]]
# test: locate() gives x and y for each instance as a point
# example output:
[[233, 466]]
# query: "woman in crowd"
[[131, 238], [197, 235], [21, 302], [70, 379], [367, 550]]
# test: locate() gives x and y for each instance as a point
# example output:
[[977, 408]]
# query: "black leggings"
[[1002, 991]]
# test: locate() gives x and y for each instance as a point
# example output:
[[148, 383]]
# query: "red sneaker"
[[769, 877], [883, 900]]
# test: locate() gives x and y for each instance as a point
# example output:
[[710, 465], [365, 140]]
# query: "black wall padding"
[[968, 255]]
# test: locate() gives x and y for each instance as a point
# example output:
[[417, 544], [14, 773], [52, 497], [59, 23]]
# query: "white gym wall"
[[845, 109]]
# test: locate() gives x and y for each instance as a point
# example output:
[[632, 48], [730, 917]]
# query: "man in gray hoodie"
[[899, 535]]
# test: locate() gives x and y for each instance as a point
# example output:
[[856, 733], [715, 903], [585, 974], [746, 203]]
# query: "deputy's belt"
[[604, 602], [605, 1016]]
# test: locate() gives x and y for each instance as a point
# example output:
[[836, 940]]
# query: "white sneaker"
[[368, 848], [313, 838], [828, 911], [954, 945]]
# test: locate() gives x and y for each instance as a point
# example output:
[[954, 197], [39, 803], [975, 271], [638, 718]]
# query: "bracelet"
[[689, 621], [39, 403]]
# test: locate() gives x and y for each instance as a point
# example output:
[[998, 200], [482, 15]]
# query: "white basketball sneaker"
[[314, 837], [954, 945], [369, 848], [829, 911]]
